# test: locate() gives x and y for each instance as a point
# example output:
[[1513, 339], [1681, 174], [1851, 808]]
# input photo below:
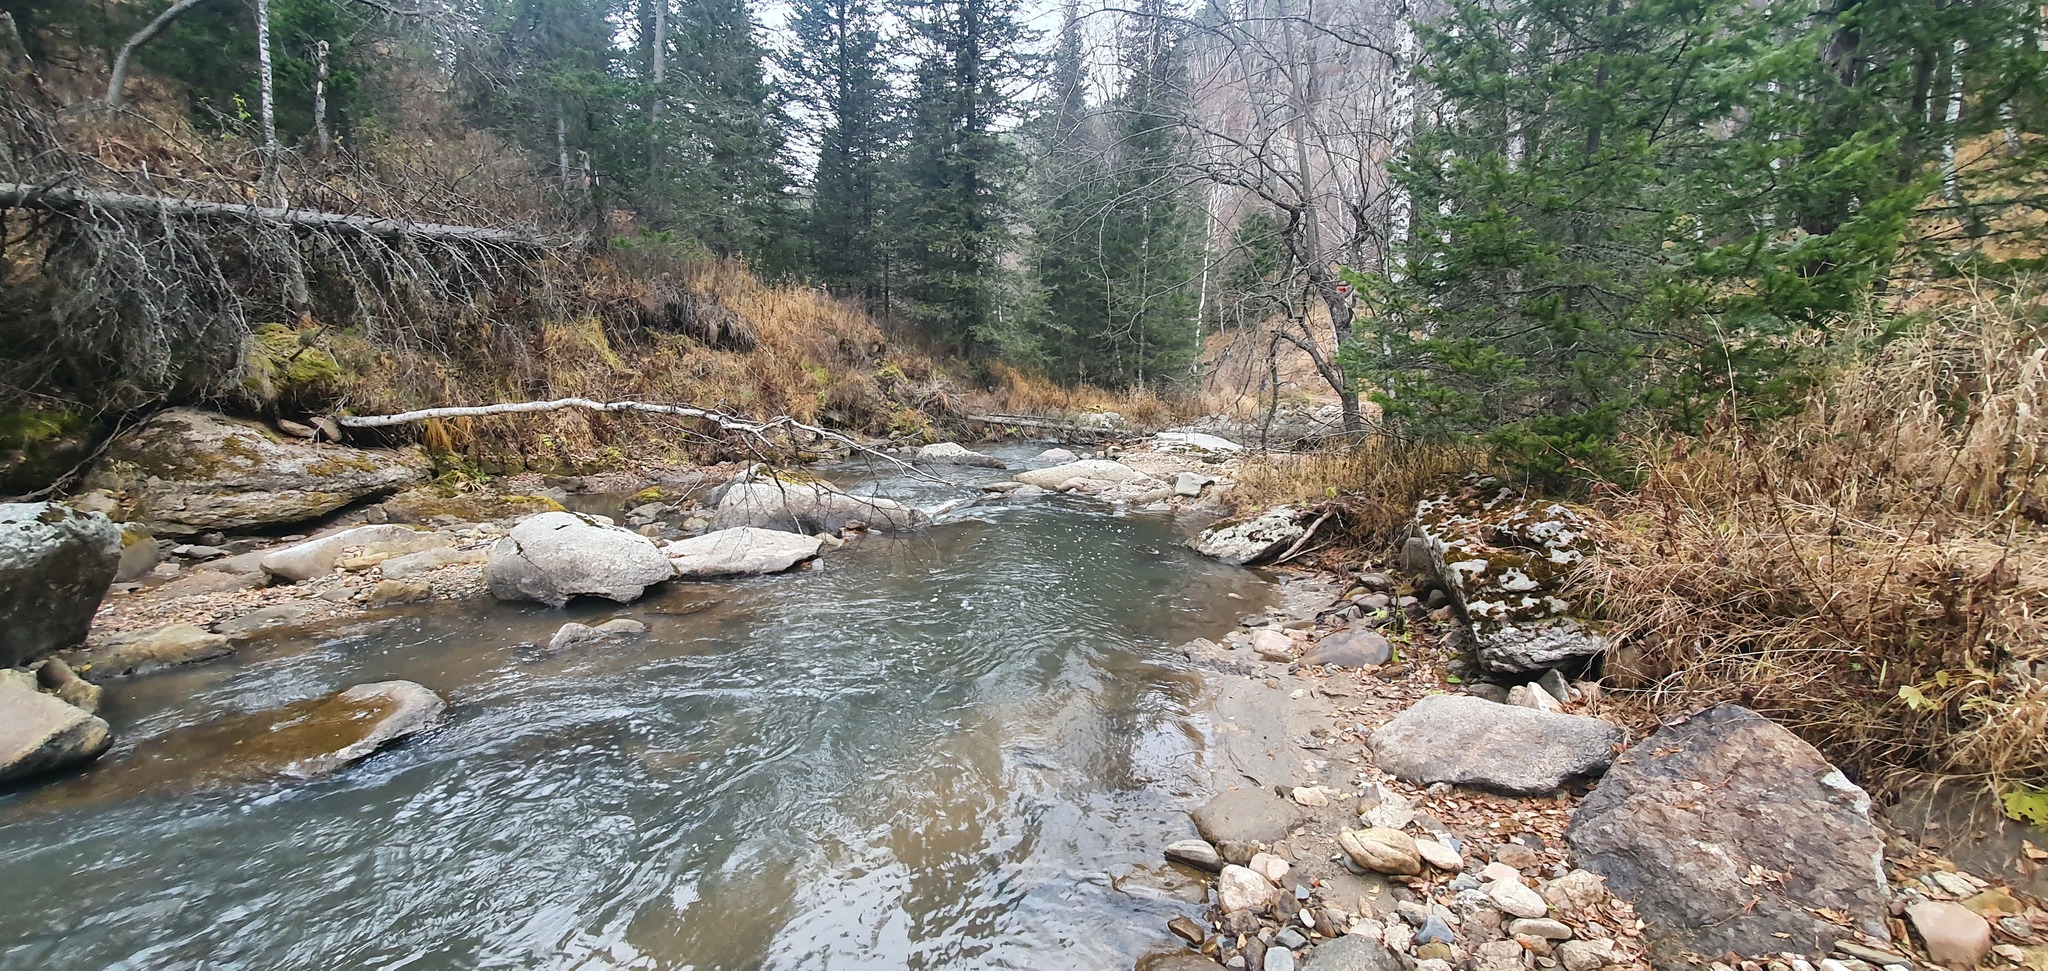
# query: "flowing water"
[[958, 749]]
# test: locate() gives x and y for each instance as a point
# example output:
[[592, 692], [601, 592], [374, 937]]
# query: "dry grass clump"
[[1371, 487], [1873, 571]]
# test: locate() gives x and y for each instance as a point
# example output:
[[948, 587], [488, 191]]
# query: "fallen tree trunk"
[[753, 429], [16, 196]]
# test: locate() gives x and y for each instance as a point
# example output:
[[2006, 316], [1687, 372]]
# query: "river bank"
[[1333, 835]]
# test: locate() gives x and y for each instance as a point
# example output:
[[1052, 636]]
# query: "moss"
[[647, 495], [38, 445], [283, 366]]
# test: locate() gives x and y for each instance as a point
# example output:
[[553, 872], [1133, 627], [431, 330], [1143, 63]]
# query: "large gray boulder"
[[741, 551], [318, 556], [1090, 477], [1504, 559], [39, 733], [1470, 741], [953, 453], [1729, 833], [554, 556], [1246, 541], [55, 564], [807, 507], [187, 471]]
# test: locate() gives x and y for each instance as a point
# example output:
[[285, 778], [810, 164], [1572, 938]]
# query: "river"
[[962, 748]]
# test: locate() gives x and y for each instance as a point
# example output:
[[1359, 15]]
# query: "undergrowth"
[[1872, 571]]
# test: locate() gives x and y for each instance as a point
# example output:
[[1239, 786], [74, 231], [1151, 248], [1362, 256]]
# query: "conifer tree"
[[839, 75]]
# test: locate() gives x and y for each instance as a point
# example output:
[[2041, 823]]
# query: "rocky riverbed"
[[1412, 765]]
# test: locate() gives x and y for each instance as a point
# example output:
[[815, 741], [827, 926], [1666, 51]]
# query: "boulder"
[[187, 471], [1089, 477], [139, 554], [573, 635], [318, 556], [1350, 649], [1189, 485], [1730, 834], [807, 507], [1382, 850], [1246, 815], [1531, 696], [1504, 560], [141, 652], [39, 733], [1053, 456], [741, 551], [557, 555], [952, 453], [1470, 741], [1247, 541], [391, 592], [55, 565]]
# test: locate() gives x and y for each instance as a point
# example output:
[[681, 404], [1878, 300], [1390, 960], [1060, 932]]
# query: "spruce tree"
[[839, 75]]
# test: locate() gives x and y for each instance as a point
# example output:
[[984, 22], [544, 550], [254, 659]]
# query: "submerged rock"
[[1246, 815], [1464, 740], [741, 551], [953, 453], [55, 565], [187, 471], [1247, 541], [141, 652], [1729, 833], [574, 635], [39, 733], [554, 556], [1504, 560], [807, 507]]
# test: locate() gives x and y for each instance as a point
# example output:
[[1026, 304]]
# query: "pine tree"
[[952, 211], [1068, 192], [839, 74]]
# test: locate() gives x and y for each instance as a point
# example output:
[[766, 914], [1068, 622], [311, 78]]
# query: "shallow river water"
[[959, 749]]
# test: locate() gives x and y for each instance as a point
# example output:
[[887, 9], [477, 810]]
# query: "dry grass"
[[1871, 572], [1371, 488]]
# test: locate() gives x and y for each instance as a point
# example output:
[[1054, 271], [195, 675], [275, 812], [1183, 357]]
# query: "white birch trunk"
[[273, 187], [323, 142]]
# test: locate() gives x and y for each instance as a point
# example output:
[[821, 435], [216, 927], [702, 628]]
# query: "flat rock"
[[1195, 853], [1197, 441], [275, 617], [807, 507], [39, 733], [389, 592], [1054, 456], [1246, 815], [554, 556], [1174, 961], [187, 471], [1464, 740], [1352, 953], [1515, 899], [741, 551], [953, 453], [427, 561], [1088, 477], [574, 635], [1955, 937], [141, 652], [1382, 850], [1684, 819], [318, 556], [1247, 541], [1350, 649], [55, 565]]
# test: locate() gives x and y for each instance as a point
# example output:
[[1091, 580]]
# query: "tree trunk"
[[561, 147], [266, 108], [119, 77], [659, 70], [16, 196], [322, 141]]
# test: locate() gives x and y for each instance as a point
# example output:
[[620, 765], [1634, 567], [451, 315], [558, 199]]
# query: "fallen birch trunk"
[[17, 196]]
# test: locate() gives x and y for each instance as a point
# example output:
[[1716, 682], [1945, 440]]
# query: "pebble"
[[1195, 853], [1314, 797], [1585, 955], [1187, 930], [1242, 889], [1434, 929], [1516, 899], [1290, 938], [1279, 959], [1516, 855], [1499, 871], [1543, 927], [1438, 855], [1269, 866], [1382, 850]]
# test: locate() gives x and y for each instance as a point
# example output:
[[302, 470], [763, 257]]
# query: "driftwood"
[[743, 426], [17, 196]]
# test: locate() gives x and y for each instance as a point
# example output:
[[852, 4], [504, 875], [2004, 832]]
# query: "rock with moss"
[[287, 367], [55, 565], [1253, 539], [187, 471], [1504, 559], [38, 446]]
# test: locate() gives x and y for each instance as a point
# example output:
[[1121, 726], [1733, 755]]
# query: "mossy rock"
[[37, 446], [285, 367], [423, 505]]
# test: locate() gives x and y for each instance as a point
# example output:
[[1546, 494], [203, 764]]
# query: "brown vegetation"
[[1871, 571]]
